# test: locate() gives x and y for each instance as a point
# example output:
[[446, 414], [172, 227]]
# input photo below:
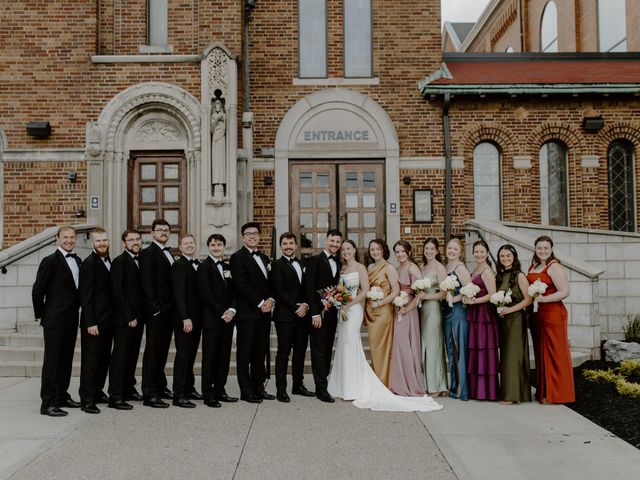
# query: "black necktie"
[[70, 255]]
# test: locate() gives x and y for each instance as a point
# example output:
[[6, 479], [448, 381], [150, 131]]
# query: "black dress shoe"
[[134, 397], [325, 397], [183, 403], [90, 408], [251, 398], [302, 390], [120, 405], [212, 403], [265, 396], [102, 398], [166, 394], [68, 403], [283, 397], [53, 412], [226, 398], [155, 402], [194, 396]]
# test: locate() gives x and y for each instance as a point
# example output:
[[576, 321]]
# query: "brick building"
[[162, 108]]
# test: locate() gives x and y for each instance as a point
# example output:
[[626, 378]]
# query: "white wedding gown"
[[351, 376]]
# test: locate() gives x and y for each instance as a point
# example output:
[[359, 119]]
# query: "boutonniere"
[[304, 270], [227, 274], [268, 267]]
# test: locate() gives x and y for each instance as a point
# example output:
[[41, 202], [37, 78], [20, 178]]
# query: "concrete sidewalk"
[[304, 439]]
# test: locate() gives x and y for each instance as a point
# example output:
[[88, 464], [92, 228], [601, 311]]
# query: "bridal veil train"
[[352, 378]]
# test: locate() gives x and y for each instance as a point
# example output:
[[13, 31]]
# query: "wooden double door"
[[157, 189], [348, 195]]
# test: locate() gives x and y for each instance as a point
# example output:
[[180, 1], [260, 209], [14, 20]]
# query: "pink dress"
[[406, 376]]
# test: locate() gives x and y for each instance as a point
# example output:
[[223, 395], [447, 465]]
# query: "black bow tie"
[[135, 257], [255, 253], [195, 261], [293, 259], [219, 262], [167, 249], [71, 255], [333, 257], [107, 260]]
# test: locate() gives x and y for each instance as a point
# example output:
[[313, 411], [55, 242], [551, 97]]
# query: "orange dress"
[[554, 370]]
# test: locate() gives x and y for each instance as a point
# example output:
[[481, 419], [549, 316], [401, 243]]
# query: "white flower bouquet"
[[421, 285], [501, 299], [470, 290], [400, 301], [375, 295], [449, 284], [536, 289]]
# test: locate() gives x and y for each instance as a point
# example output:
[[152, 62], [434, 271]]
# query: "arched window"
[[554, 206], [157, 22], [357, 38], [486, 182], [622, 211], [312, 38], [612, 26], [549, 29], [509, 49]]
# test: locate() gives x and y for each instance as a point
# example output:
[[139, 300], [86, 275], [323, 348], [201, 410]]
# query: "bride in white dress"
[[351, 376]]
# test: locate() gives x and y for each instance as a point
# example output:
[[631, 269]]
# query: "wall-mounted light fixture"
[[406, 180], [268, 180], [39, 129], [72, 176], [80, 212], [592, 124]]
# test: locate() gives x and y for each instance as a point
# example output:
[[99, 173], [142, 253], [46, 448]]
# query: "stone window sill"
[[332, 82]]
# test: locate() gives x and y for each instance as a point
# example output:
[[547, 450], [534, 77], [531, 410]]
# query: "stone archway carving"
[[146, 116], [342, 103]]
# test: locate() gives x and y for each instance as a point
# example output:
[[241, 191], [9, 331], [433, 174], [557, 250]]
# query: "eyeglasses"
[[162, 230], [251, 234]]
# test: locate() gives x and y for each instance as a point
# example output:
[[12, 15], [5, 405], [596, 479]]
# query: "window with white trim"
[[612, 26], [549, 29], [486, 182], [357, 38], [312, 38]]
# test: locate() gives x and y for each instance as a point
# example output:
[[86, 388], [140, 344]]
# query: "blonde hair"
[[459, 242]]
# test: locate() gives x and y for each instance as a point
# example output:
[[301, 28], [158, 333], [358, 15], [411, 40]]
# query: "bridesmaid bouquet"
[[421, 285], [375, 295], [335, 296], [536, 289], [449, 284], [501, 299], [470, 290], [400, 301]]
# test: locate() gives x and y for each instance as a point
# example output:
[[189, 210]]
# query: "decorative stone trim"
[[522, 161], [155, 48], [146, 58], [335, 82], [590, 161], [42, 155], [430, 163]]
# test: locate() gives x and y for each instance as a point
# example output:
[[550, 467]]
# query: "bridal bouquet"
[[375, 295], [470, 290], [449, 284], [335, 296], [400, 301], [536, 289], [421, 285], [501, 299]]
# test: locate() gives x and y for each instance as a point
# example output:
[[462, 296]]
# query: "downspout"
[[448, 167], [248, 8]]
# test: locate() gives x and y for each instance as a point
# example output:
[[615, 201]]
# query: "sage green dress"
[[514, 349], [433, 352]]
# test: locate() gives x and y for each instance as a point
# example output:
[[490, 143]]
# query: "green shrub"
[[601, 376], [630, 368], [620, 377], [628, 388], [632, 330]]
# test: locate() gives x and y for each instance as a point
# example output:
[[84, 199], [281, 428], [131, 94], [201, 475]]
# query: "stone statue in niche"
[[218, 149]]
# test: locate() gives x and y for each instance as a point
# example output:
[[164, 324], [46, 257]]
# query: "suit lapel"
[[63, 259]]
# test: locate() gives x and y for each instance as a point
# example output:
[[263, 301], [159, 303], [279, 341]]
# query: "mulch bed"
[[604, 406]]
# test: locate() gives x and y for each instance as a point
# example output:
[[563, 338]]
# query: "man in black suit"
[[290, 317], [95, 322], [187, 322], [128, 298], [155, 271], [216, 294], [323, 270], [56, 304], [250, 276]]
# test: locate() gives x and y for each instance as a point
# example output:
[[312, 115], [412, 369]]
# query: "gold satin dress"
[[380, 325]]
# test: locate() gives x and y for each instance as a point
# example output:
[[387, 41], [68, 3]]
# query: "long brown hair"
[[436, 244], [486, 246], [407, 248], [353, 244], [515, 270], [535, 260]]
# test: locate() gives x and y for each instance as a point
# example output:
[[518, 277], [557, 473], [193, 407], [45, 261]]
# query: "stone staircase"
[[21, 353]]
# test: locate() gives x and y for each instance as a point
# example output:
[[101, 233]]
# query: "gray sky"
[[462, 10]]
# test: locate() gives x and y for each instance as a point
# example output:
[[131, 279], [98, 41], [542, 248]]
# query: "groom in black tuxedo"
[[323, 270], [250, 277], [290, 317]]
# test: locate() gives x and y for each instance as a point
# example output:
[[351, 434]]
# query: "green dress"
[[514, 349], [434, 363]]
